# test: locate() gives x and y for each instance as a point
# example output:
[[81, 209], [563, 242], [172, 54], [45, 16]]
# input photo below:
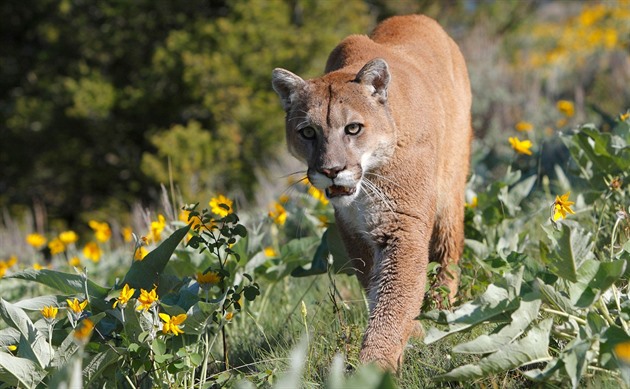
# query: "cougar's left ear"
[[375, 74], [286, 85]]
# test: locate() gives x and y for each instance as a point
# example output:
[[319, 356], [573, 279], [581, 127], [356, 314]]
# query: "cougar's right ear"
[[375, 75], [286, 85]]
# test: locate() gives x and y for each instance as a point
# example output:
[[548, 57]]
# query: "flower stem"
[[579, 320]]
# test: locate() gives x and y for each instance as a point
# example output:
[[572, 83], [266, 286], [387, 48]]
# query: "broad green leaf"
[[575, 360], [521, 319], [133, 324], [158, 346], [33, 344], [533, 348], [17, 371], [499, 299], [580, 292], [295, 253], [144, 274], [66, 283], [199, 316], [594, 278], [37, 303], [99, 362], [331, 245], [69, 375], [571, 246], [511, 198], [65, 351], [554, 297]]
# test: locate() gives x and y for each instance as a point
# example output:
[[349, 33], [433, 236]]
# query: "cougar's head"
[[339, 125]]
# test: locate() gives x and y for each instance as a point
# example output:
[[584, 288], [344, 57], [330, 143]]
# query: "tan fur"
[[407, 86]]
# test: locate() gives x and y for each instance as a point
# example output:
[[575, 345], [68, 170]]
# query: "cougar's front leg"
[[360, 252], [400, 277]]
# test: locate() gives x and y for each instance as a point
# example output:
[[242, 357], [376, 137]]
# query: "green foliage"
[[127, 345], [560, 310], [97, 98]]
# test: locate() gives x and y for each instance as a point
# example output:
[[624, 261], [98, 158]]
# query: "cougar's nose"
[[331, 172]]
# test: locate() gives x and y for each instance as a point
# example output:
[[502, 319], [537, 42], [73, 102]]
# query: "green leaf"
[[575, 360], [611, 358], [17, 371], [144, 274], [69, 375], [330, 247], [533, 348], [571, 247], [158, 346], [554, 297], [498, 299], [513, 197], [521, 319], [594, 278], [199, 316], [66, 283], [37, 303], [33, 344]]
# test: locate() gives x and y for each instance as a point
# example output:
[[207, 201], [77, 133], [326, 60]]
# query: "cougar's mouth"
[[336, 191]]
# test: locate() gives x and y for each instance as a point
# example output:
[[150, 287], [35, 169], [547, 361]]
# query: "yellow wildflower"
[[524, 126], [318, 194], [566, 108], [125, 294], [172, 323], [140, 253], [92, 252], [323, 221], [49, 312], [12, 261], [3, 268], [37, 266], [35, 240], [622, 350], [283, 199], [270, 252], [521, 146], [127, 234], [76, 307], [147, 299], [102, 232], [278, 214], [68, 237], [56, 246], [157, 227], [184, 216], [624, 116], [84, 332], [74, 261], [215, 205], [12, 347], [229, 316], [207, 279], [473, 203], [562, 206]]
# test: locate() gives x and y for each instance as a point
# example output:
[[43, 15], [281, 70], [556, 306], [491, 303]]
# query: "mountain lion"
[[386, 133]]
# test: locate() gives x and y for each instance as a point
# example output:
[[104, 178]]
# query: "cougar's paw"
[[383, 361]]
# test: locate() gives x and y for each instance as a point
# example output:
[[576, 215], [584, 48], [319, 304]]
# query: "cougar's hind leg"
[[447, 246]]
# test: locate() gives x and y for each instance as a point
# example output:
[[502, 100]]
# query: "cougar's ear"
[[375, 74], [286, 85]]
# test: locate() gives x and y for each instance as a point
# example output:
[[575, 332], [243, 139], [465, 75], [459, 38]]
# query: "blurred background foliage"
[[102, 102]]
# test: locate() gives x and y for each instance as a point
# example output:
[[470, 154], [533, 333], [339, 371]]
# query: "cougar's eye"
[[353, 128], [307, 132]]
